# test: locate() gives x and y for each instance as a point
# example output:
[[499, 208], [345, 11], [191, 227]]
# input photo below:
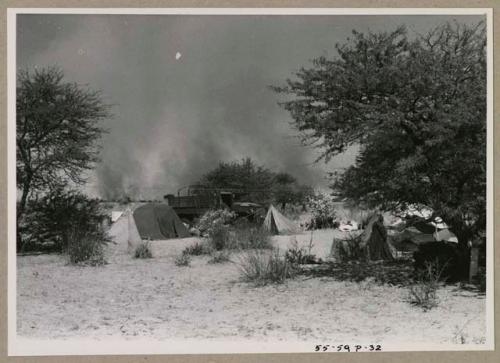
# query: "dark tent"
[[374, 240], [157, 221]]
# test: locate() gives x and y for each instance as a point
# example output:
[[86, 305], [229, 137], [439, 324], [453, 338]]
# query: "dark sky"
[[175, 119]]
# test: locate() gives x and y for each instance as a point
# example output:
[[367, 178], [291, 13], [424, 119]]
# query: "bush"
[[197, 249], [251, 237], [85, 248], [53, 217], [423, 292], [183, 260], [322, 208], [219, 257], [262, 267], [210, 222], [143, 250], [215, 225], [449, 256], [348, 248], [301, 256]]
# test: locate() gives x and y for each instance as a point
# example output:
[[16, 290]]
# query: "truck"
[[194, 200]]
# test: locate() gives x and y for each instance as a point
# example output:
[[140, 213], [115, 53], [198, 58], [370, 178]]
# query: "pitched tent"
[[123, 232], [158, 221], [277, 223]]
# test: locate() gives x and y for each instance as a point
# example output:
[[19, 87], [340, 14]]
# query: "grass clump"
[[143, 250], [197, 249], [264, 267], [183, 260], [423, 292], [251, 237], [86, 248], [219, 257]]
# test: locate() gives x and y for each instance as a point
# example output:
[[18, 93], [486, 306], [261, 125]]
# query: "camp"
[[153, 221], [277, 223]]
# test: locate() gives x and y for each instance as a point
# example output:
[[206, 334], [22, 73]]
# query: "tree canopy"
[[261, 183], [417, 107], [58, 128]]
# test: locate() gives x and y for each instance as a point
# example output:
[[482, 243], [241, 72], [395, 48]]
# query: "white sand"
[[156, 299]]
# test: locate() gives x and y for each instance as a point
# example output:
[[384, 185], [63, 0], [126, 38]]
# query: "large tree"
[[417, 107], [58, 130]]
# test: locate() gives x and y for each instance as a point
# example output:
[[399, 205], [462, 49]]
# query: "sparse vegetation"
[[250, 237], [265, 267], [183, 260], [143, 250], [85, 248], [197, 249], [322, 208], [219, 257], [301, 256], [423, 292]]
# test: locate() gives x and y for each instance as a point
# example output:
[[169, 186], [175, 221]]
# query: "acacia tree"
[[57, 132], [416, 106]]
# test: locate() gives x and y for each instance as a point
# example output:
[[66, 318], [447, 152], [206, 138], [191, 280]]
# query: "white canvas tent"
[[277, 223], [124, 232]]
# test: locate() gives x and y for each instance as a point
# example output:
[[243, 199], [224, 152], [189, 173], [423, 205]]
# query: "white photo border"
[[18, 346]]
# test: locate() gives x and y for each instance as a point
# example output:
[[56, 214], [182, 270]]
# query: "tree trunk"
[[21, 209]]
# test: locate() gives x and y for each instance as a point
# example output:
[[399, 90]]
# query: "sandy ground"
[[156, 299]]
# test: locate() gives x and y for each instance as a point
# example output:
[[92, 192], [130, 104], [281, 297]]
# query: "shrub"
[[450, 256], [348, 248], [197, 249], [251, 237], [53, 217], [215, 225], [301, 256], [423, 292], [84, 248], [143, 250], [262, 267], [219, 257], [322, 208], [210, 222], [183, 260]]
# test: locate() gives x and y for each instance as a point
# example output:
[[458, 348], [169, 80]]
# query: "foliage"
[[417, 107], [250, 237], [348, 248], [322, 207], [263, 267], [261, 184], [212, 220], [143, 250], [85, 248], [423, 292], [447, 255], [183, 260], [197, 249], [219, 257], [301, 256], [360, 216], [57, 130], [53, 218]]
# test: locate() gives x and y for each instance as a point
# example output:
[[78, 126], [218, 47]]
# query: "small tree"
[[55, 217], [57, 133]]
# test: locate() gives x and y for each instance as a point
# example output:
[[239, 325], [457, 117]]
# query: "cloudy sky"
[[190, 91]]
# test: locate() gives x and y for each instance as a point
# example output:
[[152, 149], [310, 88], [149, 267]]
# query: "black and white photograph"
[[197, 180]]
